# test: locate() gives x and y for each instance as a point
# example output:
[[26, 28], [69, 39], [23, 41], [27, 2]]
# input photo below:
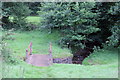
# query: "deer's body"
[[39, 59]]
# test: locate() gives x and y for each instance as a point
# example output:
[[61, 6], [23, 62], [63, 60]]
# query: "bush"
[[18, 11], [6, 53], [75, 20]]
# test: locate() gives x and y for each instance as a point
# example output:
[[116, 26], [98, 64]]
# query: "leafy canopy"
[[75, 20]]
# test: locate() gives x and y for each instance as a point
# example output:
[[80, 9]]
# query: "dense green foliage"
[[115, 29], [82, 24], [108, 22], [75, 20], [19, 11], [34, 7]]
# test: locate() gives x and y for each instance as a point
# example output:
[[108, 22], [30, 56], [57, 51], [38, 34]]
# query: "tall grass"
[[12, 71]]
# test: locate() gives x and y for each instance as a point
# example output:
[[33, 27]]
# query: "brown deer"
[[39, 59]]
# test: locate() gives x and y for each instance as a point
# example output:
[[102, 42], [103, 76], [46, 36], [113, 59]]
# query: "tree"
[[75, 20], [108, 22], [114, 39], [18, 11], [104, 19], [34, 7], [0, 14]]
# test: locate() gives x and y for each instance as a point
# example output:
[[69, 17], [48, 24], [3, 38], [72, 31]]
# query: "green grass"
[[100, 64], [24, 70], [104, 63], [102, 57], [40, 40], [33, 19]]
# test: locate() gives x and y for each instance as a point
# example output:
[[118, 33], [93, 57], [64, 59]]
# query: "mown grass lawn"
[[102, 64]]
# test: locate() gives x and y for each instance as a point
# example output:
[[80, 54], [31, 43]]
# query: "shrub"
[[18, 11], [75, 21], [6, 53]]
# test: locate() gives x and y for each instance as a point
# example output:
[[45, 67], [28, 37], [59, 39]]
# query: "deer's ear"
[[30, 44], [50, 48]]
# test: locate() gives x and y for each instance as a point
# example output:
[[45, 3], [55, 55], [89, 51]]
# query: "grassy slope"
[[102, 57], [40, 40], [104, 63]]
